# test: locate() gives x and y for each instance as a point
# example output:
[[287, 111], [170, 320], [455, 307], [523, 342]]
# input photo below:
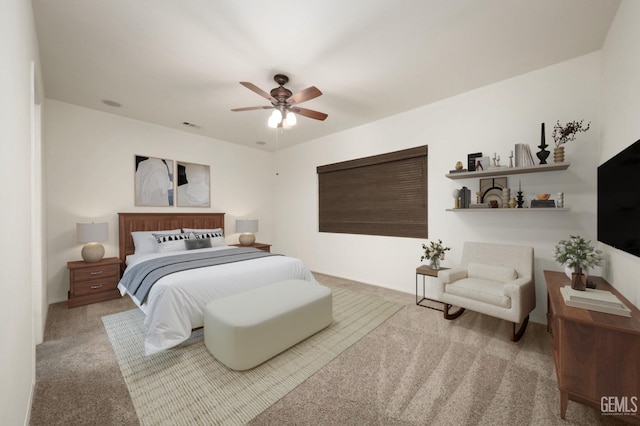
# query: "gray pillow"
[[197, 244]]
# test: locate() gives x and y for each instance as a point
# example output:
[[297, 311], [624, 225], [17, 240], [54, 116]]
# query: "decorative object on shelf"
[[560, 200], [543, 153], [471, 160], [465, 197], [491, 190], [506, 194], [458, 168], [92, 234], [543, 203], [543, 196], [496, 160], [524, 157], [563, 134], [512, 203], [558, 154], [579, 255], [434, 252], [519, 198], [456, 198], [511, 159], [247, 227]]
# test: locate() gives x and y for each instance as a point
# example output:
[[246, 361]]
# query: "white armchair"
[[493, 279]]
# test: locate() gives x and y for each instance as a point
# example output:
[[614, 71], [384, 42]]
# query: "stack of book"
[[524, 157], [594, 300]]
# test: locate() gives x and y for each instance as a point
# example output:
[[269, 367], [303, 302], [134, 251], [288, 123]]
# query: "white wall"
[[90, 176], [490, 119], [18, 49], [621, 123]]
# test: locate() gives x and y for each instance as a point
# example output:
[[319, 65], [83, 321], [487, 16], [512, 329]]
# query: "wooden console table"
[[597, 355]]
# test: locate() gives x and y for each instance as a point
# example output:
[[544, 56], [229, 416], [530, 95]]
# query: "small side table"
[[261, 246], [425, 271]]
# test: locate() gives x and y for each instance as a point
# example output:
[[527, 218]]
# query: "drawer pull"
[[95, 272], [94, 287]]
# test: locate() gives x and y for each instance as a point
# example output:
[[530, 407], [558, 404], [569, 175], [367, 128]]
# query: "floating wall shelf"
[[537, 209], [501, 171]]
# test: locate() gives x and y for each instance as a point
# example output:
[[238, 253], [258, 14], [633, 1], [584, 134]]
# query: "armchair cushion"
[[491, 272], [486, 291]]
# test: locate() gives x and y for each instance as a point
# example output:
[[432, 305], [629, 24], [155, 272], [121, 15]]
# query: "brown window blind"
[[381, 195]]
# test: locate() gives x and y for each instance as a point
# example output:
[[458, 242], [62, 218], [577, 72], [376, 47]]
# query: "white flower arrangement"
[[435, 250], [578, 254]]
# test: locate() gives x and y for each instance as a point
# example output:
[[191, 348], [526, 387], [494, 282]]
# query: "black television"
[[619, 200]]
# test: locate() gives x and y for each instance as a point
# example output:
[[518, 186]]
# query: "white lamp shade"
[[247, 225], [92, 232]]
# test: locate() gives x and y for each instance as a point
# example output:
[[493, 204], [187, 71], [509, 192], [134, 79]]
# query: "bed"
[[175, 304]]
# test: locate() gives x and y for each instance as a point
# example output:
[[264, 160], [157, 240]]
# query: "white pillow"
[[171, 242], [491, 272], [145, 242], [216, 236], [187, 230]]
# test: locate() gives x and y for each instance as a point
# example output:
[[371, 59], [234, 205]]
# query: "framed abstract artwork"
[[153, 181], [193, 185]]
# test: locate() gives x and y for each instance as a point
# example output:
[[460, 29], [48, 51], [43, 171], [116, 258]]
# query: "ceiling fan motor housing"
[[281, 93]]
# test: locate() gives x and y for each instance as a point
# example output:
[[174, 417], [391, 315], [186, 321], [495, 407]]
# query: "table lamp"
[[247, 227], [92, 234]]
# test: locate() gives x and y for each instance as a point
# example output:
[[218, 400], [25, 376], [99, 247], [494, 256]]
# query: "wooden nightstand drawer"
[[93, 282], [96, 273], [94, 286]]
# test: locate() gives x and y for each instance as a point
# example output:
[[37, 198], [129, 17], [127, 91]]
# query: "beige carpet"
[[186, 385]]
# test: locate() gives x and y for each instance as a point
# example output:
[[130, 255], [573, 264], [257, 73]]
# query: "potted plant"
[[563, 134], [579, 255], [434, 251]]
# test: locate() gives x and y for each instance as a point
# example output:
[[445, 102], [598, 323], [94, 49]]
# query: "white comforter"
[[176, 302]]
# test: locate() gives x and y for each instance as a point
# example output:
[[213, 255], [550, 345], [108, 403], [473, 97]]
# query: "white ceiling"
[[171, 61]]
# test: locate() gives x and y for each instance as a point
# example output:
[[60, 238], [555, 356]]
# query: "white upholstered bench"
[[246, 329]]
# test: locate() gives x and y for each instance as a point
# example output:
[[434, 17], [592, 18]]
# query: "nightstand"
[[261, 246], [93, 282]]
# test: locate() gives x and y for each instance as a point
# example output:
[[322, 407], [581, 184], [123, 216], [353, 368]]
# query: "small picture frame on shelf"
[[471, 161], [483, 163]]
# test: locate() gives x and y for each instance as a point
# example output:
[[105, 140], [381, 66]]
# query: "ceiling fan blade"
[[259, 91], [316, 115], [251, 108], [304, 95]]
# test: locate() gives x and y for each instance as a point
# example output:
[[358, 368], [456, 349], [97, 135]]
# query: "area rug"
[[187, 386]]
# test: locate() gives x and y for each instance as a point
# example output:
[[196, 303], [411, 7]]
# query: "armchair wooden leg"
[[517, 335], [453, 315]]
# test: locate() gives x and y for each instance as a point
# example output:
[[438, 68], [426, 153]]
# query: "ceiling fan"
[[284, 102]]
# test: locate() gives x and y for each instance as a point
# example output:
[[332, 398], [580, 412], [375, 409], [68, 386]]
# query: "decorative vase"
[[434, 263], [568, 271], [512, 203], [558, 154], [578, 281]]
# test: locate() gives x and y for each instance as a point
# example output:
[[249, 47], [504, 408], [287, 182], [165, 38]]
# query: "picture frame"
[[471, 160], [153, 181], [482, 163], [193, 185]]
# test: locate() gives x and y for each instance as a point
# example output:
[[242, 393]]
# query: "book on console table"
[[594, 300]]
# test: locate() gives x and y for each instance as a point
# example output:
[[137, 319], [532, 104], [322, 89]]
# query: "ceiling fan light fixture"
[[273, 122], [291, 119]]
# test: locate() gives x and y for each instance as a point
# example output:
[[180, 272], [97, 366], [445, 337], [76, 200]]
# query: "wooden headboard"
[[129, 222]]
